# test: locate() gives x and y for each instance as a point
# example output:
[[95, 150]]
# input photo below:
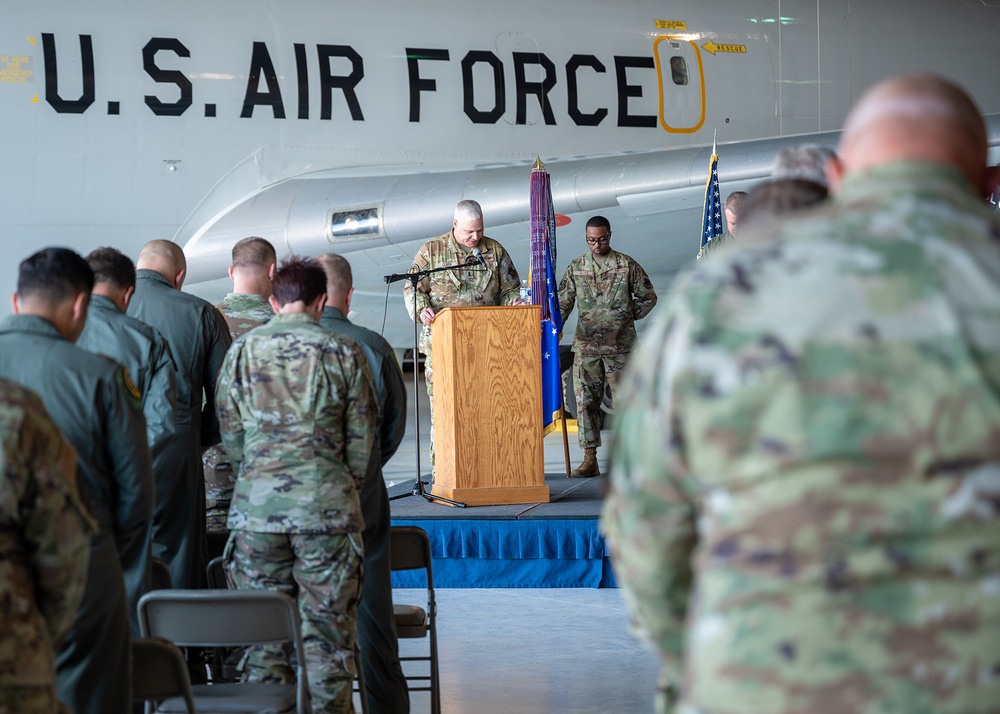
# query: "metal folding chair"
[[230, 618], [160, 575], [410, 549], [216, 574], [222, 665], [159, 673]]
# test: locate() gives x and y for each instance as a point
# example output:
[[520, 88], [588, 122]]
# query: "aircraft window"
[[357, 223], [679, 70]]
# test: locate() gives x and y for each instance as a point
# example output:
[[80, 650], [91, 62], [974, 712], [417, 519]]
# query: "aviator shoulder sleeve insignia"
[[135, 396]]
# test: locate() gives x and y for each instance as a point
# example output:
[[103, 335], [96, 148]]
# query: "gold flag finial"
[[539, 166]]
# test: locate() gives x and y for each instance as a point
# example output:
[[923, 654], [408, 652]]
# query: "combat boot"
[[589, 466]]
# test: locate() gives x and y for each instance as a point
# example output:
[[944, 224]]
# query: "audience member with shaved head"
[[246, 307], [732, 208], [803, 506], [198, 338], [385, 684], [91, 400]]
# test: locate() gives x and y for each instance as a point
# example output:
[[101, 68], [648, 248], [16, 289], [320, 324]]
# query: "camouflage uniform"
[[610, 297], [198, 339], [150, 367], [87, 397], [384, 681], [243, 312], [44, 550], [811, 434], [298, 415], [498, 284]]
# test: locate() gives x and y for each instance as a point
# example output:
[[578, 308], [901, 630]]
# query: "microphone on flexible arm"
[[478, 255]]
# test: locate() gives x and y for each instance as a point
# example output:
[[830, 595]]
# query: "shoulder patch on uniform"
[[129, 385]]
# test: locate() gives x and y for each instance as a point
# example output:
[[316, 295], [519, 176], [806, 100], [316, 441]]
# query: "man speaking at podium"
[[490, 278]]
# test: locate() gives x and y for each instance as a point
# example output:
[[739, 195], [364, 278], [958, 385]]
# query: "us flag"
[[711, 222]]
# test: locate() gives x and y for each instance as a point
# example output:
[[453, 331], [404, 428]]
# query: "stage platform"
[[535, 545]]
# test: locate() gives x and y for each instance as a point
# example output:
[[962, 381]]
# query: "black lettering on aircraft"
[[541, 89], [260, 62], [302, 72], [628, 69], [626, 90], [167, 44], [479, 116], [68, 106], [573, 93], [418, 84], [329, 81]]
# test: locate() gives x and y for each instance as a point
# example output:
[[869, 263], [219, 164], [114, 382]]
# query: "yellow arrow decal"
[[713, 48], [32, 41], [34, 100]]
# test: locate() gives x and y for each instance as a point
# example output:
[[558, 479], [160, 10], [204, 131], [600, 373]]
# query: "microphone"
[[478, 254]]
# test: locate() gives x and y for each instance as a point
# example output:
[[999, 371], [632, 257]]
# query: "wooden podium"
[[488, 405]]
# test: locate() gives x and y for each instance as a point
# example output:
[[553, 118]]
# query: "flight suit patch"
[[130, 388]]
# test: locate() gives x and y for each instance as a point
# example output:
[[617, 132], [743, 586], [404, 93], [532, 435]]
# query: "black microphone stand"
[[414, 278]]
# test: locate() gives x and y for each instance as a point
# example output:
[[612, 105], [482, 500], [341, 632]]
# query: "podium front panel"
[[488, 405]]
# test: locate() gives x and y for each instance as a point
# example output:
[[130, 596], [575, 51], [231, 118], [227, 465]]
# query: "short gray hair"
[[468, 210]]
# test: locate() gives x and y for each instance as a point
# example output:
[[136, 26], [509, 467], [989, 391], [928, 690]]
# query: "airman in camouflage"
[[804, 477], [612, 291], [247, 307], [89, 399], [798, 180], [44, 550], [298, 416], [496, 283]]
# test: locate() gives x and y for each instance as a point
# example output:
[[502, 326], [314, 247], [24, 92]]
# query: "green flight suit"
[[198, 339], [87, 397], [717, 243], [145, 354], [384, 681]]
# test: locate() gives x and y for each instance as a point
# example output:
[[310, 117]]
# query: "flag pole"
[[539, 167], [562, 418]]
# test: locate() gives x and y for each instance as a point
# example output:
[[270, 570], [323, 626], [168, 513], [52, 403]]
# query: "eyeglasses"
[[597, 241]]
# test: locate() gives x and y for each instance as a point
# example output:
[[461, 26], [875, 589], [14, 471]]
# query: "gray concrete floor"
[[528, 651], [535, 651]]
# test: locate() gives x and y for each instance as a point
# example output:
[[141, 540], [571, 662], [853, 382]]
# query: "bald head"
[[339, 280], [166, 258], [915, 118]]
